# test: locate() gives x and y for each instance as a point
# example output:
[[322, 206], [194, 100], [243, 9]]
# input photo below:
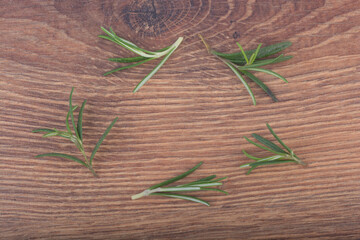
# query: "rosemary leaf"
[[67, 119], [260, 146], [243, 81], [72, 114], [260, 84], [184, 197], [214, 189], [277, 138], [254, 55], [177, 177], [61, 155], [206, 179], [243, 53], [250, 156], [256, 164], [267, 143], [127, 60], [207, 184], [218, 180], [101, 140], [50, 134], [80, 118], [128, 66], [267, 71], [260, 63], [42, 130], [178, 189]]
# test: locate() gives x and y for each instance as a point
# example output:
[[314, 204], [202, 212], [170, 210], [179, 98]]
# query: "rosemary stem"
[[92, 170], [81, 148], [205, 43], [140, 195], [298, 160], [170, 189]]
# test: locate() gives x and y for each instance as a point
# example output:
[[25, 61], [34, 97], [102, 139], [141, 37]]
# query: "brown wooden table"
[[194, 109]]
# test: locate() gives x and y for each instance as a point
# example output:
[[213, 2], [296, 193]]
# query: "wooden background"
[[194, 109]]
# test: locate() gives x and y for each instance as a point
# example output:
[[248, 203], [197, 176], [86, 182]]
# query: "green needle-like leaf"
[[250, 156], [218, 180], [50, 134], [215, 189], [61, 155], [260, 146], [254, 55], [267, 159], [212, 184], [268, 143], [128, 66], [256, 164], [72, 114], [184, 197], [243, 53], [242, 80], [101, 140], [67, 120], [253, 166], [80, 118], [260, 84], [127, 60], [43, 130], [178, 189], [271, 158], [167, 182], [206, 179], [277, 138], [268, 72], [261, 63]]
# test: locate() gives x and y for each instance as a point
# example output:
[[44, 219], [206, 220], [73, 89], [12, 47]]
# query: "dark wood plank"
[[192, 110]]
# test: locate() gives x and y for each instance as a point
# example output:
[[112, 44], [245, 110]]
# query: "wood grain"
[[192, 110]]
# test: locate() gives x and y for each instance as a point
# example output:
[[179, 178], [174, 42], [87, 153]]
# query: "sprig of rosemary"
[[281, 155], [76, 137], [204, 184], [144, 55], [243, 62]]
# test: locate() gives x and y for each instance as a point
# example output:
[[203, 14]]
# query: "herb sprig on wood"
[[143, 55], [76, 137], [242, 63], [280, 155], [204, 184]]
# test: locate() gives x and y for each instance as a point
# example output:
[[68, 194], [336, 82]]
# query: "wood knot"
[[151, 18]]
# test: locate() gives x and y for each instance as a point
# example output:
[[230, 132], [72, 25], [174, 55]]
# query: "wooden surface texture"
[[194, 109]]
